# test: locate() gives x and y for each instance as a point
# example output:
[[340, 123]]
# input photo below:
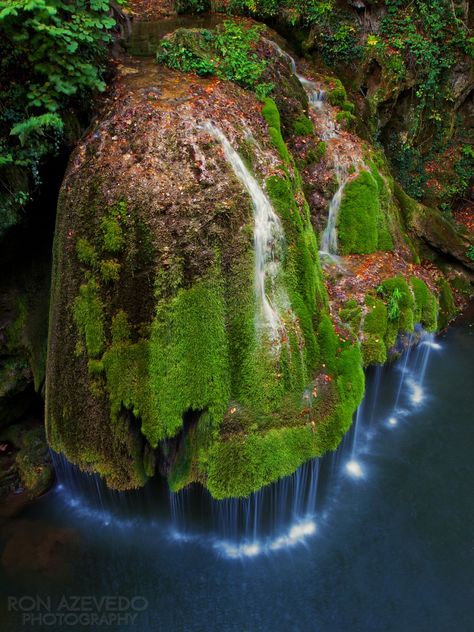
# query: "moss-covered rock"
[[154, 317]]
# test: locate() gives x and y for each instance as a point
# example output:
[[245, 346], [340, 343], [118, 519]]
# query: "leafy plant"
[[52, 57], [393, 304], [227, 52]]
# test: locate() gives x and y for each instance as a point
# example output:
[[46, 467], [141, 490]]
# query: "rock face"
[[159, 345]]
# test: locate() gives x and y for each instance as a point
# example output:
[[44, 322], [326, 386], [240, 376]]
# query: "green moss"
[[110, 270], [447, 305], [120, 327], [357, 223], [375, 321], [401, 305], [347, 106], [373, 350], [352, 316], [328, 343], [426, 305], [86, 253], [15, 331], [189, 365], [346, 118], [112, 235], [271, 114], [32, 461], [95, 367], [338, 95], [245, 464], [89, 317], [303, 126], [279, 144]]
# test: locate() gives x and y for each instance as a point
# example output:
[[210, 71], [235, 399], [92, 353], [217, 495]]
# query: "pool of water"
[[386, 545]]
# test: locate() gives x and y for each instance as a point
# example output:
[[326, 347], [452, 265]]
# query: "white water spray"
[[269, 240]]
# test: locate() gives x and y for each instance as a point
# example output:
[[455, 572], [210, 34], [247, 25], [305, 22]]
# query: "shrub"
[[227, 52]]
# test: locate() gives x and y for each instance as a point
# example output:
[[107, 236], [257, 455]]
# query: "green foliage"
[[192, 6], [339, 44], [393, 306], [297, 12], [428, 35], [400, 307], [227, 52], [426, 39], [470, 253], [52, 57]]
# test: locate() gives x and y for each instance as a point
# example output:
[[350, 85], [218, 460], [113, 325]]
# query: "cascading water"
[[278, 516], [329, 238], [327, 130], [269, 240]]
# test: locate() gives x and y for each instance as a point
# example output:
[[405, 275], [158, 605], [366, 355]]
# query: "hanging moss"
[[272, 116], [327, 340], [447, 305], [426, 305], [89, 316], [375, 326]]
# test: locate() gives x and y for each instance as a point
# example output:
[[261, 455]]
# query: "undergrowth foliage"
[[227, 52], [52, 56]]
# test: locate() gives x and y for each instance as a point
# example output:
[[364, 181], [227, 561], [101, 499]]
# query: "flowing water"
[[327, 130], [329, 238], [377, 536], [269, 240]]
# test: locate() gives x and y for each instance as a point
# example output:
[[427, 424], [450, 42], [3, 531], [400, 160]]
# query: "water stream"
[[269, 240], [327, 130]]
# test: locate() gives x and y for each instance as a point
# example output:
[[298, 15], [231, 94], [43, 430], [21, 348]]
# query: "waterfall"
[[329, 238], [278, 516], [327, 131], [269, 240]]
